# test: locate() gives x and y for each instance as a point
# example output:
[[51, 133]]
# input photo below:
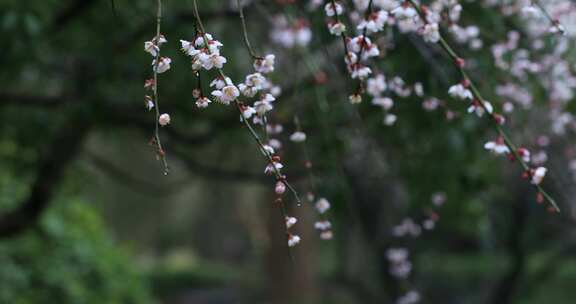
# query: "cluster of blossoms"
[[290, 34], [544, 17], [378, 86], [324, 226], [426, 20], [159, 65], [400, 266], [322, 205], [205, 53]]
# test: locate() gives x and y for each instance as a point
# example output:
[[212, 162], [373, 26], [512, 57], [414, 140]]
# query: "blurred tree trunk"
[[290, 270], [375, 193], [508, 284]]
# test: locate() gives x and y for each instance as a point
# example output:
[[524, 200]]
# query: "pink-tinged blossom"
[[265, 65], [164, 119], [375, 22], [280, 188], [248, 112], [326, 235], [333, 8], [376, 85], [430, 33], [322, 205], [385, 102], [290, 221], [151, 48], [438, 198], [336, 28], [203, 102], [271, 169], [322, 225], [407, 228]]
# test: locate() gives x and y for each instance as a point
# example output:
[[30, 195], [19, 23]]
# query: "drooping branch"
[[458, 62]]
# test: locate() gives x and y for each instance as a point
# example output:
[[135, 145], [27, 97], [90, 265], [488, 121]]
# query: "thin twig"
[[269, 157], [476, 93], [554, 21], [245, 31], [161, 152]]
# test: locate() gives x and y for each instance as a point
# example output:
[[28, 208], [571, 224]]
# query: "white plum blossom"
[[530, 11], [188, 48], [265, 65], [209, 61], [280, 188], [397, 255], [322, 205], [290, 221], [333, 8], [385, 4], [390, 119], [203, 56], [524, 154], [228, 94], [360, 72], [264, 105], [162, 66], [151, 48], [291, 34], [459, 91], [298, 136], [322, 225], [375, 22], [326, 235], [293, 240], [477, 108], [404, 12], [538, 175], [411, 297], [385, 102], [247, 112], [253, 84], [164, 119], [203, 102], [336, 28], [430, 33], [219, 83], [497, 147], [273, 168], [268, 149], [376, 85], [407, 227]]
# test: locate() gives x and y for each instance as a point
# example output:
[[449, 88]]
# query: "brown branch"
[[51, 167]]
